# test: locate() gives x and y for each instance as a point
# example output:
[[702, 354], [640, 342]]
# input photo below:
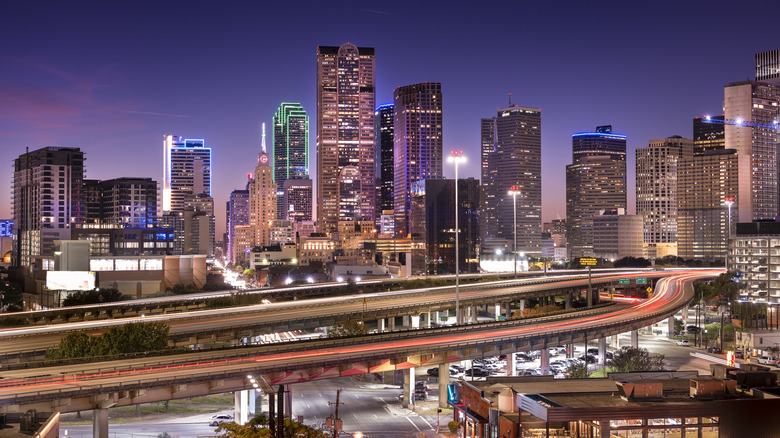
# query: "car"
[[588, 358], [477, 372], [434, 372], [739, 355], [421, 394], [692, 330], [765, 360], [715, 350], [529, 373], [523, 357], [457, 368], [220, 418], [421, 385], [683, 343]]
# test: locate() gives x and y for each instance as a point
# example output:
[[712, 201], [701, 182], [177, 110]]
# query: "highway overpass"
[[131, 381]]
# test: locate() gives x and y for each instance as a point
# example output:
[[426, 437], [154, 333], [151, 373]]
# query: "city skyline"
[[93, 86]]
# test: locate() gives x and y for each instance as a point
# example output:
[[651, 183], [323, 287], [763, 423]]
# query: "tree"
[[11, 297], [81, 298], [577, 371], [257, 427], [134, 337], [349, 328], [453, 426], [629, 359], [249, 274], [632, 262]]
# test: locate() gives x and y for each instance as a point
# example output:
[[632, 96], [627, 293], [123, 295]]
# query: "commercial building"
[[653, 405], [750, 125], [346, 183], [237, 215], [705, 184], [512, 156], [262, 200], [297, 200], [118, 241], [187, 171], [290, 149], [48, 199], [657, 170], [617, 235], [281, 232], [418, 142], [315, 249], [595, 181], [273, 255], [432, 223], [768, 66], [384, 149]]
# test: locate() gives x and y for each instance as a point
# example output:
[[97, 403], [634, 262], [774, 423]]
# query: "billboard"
[[70, 280]]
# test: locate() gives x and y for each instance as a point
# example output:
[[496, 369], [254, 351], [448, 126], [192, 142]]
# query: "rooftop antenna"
[[510, 99], [262, 143]]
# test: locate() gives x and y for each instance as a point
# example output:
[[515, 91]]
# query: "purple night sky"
[[112, 77]]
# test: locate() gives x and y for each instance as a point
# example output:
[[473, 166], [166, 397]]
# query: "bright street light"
[[456, 157]]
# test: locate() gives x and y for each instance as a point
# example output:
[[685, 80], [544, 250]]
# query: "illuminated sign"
[[70, 280], [587, 261]]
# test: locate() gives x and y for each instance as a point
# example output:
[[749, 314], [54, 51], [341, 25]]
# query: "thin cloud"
[[152, 113], [374, 11]]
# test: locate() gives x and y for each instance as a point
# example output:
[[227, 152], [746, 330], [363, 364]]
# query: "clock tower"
[[262, 198]]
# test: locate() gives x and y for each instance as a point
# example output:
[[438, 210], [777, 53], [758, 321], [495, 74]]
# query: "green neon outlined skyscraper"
[[290, 148]]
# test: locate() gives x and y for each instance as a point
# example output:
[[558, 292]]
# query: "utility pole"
[[335, 421]]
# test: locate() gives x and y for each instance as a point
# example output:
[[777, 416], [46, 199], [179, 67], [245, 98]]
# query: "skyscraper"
[[512, 156], [262, 200], [768, 66], [384, 119], [751, 115], [187, 171], [297, 198], [595, 181], [291, 148], [121, 202], [346, 184], [237, 215], [708, 133], [656, 189], [48, 199], [417, 136]]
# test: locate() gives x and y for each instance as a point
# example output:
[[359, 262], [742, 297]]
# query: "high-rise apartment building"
[[595, 181], [48, 199], [187, 171], [384, 149], [262, 200], [751, 115], [121, 202], [291, 148], [418, 143], [657, 170], [512, 156], [346, 183], [709, 133]]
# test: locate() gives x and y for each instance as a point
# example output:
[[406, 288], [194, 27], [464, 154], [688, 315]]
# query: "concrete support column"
[[100, 423], [380, 325], [545, 360], [252, 399], [408, 387], [429, 319], [288, 398], [567, 304], [616, 341], [241, 406], [670, 327], [570, 350], [444, 380], [508, 310], [522, 305], [634, 338], [511, 369], [415, 321], [602, 351], [405, 320], [497, 311]]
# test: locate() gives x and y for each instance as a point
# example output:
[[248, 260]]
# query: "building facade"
[[432, 223], [48, 199], [418, 143], [290, 148], [262, 201], [121, 202], [512, 156], [346, 184], [595, 181], [750, 125], [237, 215], [187, 171], [297, 200], [657, 171], [617, 235], [755, 253], [384, 149]]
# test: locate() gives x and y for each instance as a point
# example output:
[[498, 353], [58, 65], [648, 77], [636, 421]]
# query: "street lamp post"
[[729, 202], [513, 192], [457, 157]]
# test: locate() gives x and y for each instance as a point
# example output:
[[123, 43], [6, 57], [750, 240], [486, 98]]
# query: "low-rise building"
[[273, 255], [755, 253], [316, 248]]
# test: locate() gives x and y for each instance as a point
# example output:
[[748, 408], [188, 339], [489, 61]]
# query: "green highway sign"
[[641, 280], [623, 280]]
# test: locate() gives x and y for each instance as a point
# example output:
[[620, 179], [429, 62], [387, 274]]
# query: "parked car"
[[220, 418], [523, 357], [683, 343], [434, 372], [421, 385], [458, 368], [766, 360], [588, 358], [715, 350], [477, 372], [739, 354]]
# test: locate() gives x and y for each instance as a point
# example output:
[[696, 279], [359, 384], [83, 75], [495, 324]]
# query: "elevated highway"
[[234, 324], [102, 385]]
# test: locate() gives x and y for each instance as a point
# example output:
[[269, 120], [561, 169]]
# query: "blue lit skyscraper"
[[417, 136], [290, 148], [595, 181]]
